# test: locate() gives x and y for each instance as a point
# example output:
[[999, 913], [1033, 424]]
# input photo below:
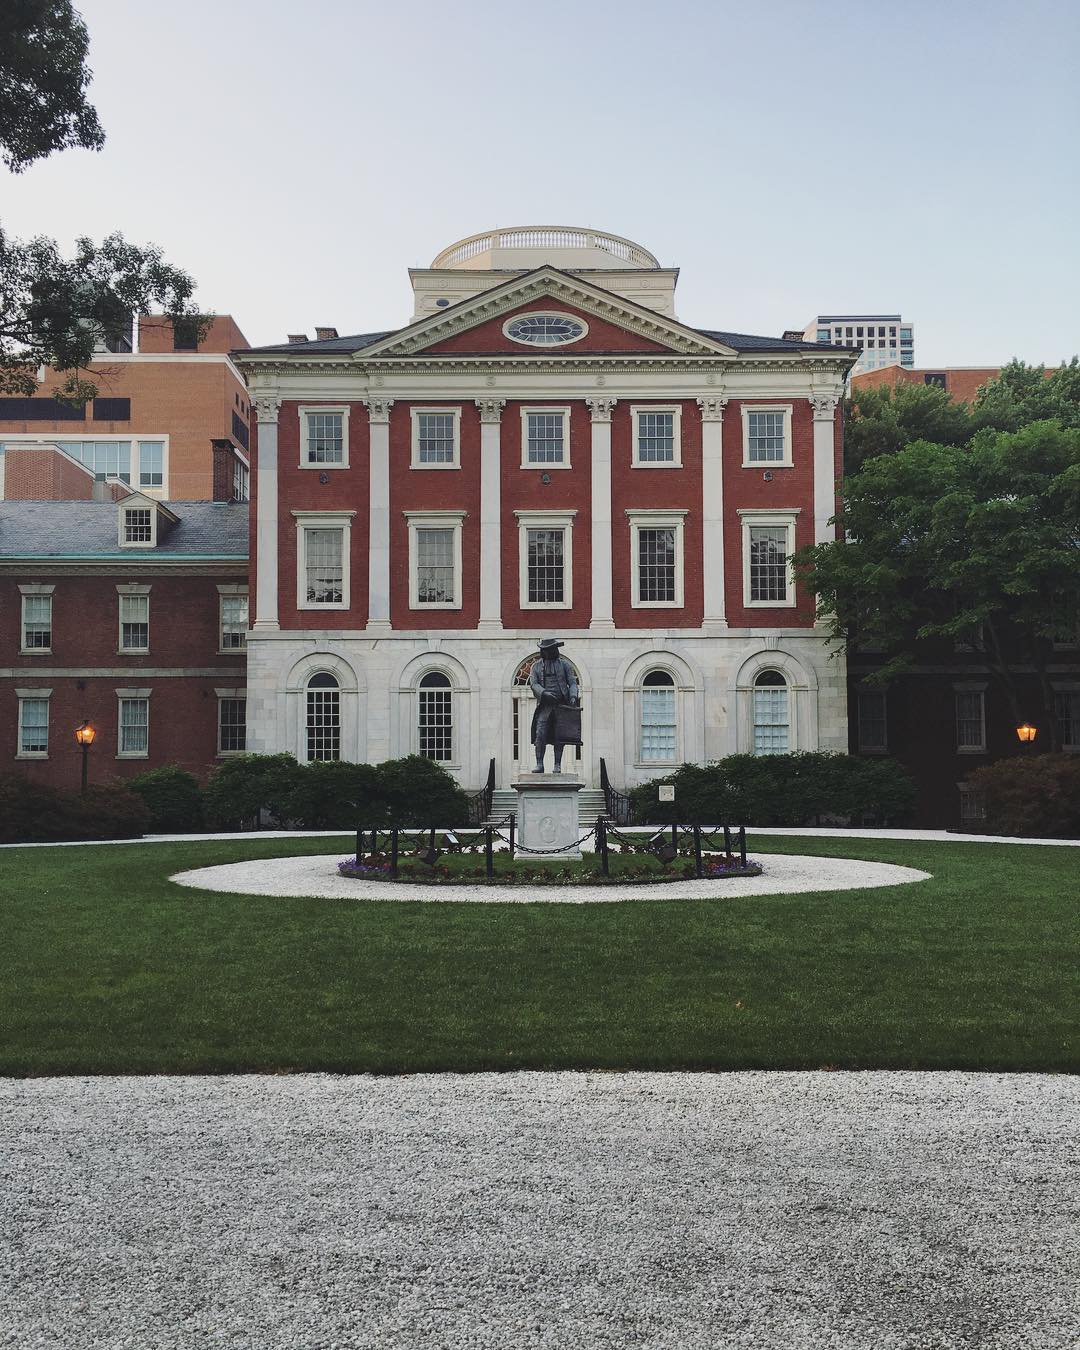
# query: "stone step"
[[590, 805]]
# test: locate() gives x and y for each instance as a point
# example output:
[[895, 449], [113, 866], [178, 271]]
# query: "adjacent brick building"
[[961, 382]]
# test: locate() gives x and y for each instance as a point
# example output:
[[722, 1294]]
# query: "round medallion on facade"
[[545, 330]]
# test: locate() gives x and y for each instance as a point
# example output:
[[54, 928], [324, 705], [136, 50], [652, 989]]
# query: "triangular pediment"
[[617, 326]]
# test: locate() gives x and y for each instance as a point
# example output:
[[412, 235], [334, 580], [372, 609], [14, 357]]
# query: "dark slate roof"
[[748, 342], [337, 346], [88, 529]]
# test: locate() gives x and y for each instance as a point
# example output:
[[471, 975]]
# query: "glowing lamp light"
[[85, 734], [1027, 733]]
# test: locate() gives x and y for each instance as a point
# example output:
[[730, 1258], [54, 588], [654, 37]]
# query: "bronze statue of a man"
[[557, 719]]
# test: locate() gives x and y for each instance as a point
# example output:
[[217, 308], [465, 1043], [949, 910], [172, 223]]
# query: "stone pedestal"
[[547, 814]]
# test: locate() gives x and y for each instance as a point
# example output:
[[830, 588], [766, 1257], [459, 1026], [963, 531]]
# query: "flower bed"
[[463, 869]]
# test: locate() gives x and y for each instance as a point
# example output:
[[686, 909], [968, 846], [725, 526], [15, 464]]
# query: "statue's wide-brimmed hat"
[[550, 645]]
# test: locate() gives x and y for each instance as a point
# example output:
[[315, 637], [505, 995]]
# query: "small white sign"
[[667, 792]]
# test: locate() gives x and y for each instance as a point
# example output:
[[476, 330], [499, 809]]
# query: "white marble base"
[[547, 814]]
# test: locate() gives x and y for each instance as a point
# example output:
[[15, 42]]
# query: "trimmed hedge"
[[799, 789], [31, 813], [1033, 795], [172, 796]]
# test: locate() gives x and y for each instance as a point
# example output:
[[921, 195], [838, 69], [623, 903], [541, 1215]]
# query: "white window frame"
[[547, 409], [222, 696], [434, 520], [546, 520], [121, 695], [322, 520], [1071, 690], [676, 428], [156, 489], [641, 518], [972, 805], [415, 413], [639, 759], [36, 590], [231, 591], [28, 696], [865, 749], [789, 709], [125, 508], [979, 689], [122, 593], [454, 762], [305, 411], [752, 516], [746, 410]]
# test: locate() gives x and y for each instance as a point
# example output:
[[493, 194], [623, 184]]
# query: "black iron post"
[[697, 850], [85, 755], [601, 845], [742, 844], [513, 822], [727, 840], [393, 850], [359, 842], [489, 861]]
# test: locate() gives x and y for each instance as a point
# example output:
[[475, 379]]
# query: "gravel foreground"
[[738, 1211]]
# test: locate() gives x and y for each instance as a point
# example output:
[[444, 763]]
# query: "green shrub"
[[1036, 795], [418, 791], [334, 795], [31, 813], [109, 813], [240, 789], [797, 789], [173, 797]]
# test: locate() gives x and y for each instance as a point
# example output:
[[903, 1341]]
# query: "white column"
[[491, 410], [602, 618], [824, 406], [379, 515], [712, 511], [266, 514]]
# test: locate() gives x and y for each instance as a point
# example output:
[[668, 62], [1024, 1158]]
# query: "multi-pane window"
[[151, 463], [656, 565], [33, 726], [545, 438], [240, 481], [37, 623], [232, 726], [765, 437], [435, 566], [972, 804], [325, 438], [546, 566], [234, 622], [435, 440], [134, 623], [970, 720], [138, 526], [872, 726], [1067, 710], [134, 733], [655, 438], [436, 717], [105, 459], [657, 718], [323, 717], [768, 563], [323, 565], [771, 714]]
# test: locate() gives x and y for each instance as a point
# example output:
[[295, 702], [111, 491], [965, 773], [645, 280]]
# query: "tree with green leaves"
[[1023, 394], [881, 420], [43, 81], [947, 542]]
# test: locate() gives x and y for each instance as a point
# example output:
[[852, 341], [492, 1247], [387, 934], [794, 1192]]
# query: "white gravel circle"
[[317, 875], [738, 1211]]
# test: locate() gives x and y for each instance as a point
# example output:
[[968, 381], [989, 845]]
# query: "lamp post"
[[85, 735]]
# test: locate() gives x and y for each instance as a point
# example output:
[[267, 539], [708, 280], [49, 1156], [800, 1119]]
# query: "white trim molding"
[[546, 409], [415, 413], [785, 462], [308, 410], [675, 409], [546, 520], [322, 520], [434, 520], [783, 518], [665, 518]]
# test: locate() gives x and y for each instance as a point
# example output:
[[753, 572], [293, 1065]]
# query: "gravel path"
[[743, 1211], [318, 876]]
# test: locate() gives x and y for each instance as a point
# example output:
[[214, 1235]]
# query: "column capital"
[[601, 408], [824, 406], [267, 407], [378, 408], [712, 407], [491, 409]]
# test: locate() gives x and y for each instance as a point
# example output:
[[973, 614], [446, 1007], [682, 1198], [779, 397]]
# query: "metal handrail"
[[618, 807], [480, 802]]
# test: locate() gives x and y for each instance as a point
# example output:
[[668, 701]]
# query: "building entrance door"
[[522, 756]]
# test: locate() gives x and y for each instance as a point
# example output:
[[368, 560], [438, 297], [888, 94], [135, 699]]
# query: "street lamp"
[[1026, 733], [85, 735]]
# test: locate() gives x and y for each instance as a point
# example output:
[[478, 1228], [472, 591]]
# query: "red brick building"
[[129, 613], [961, 382]]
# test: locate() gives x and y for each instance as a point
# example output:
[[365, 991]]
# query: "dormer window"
[[142, 521]]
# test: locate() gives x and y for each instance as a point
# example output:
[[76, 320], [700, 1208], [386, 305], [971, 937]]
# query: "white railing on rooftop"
[[543, 237]]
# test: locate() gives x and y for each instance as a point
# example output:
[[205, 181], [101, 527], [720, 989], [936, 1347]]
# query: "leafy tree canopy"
[[53, 310], [43, 81], [1023, 394], [881, 420]]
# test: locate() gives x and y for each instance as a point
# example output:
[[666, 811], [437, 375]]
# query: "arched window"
[[436, 717], [658, 730], [772, 718], [323, 717]]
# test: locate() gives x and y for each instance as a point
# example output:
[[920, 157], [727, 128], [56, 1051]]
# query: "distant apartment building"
[[170, 409], [962, 383], [885, 339]]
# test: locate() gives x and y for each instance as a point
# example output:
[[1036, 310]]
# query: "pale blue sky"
[[791, 157]]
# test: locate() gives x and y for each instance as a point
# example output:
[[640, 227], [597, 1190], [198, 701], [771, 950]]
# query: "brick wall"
[[45, 474]]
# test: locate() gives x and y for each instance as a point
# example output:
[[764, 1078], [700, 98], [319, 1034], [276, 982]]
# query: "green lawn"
[[106, 967]]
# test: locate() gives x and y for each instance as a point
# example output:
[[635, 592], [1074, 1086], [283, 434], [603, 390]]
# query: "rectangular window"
[[232, 726], [765, 437], [655, 439], [324, 440], [435, 438], [323, 554], [112, 409], [769, 564], [134, 730], [656, 565], [134, 623], [972, 806], [545, 438], [34, 726], [1067, 708], [658, 724], [545, 566], [240, 482], [105, 459], [151, 463], [771, 720], [435, 566], [436, 731], [37, 623], [970, 721], [234, 622], [138, 526], [872, 727], [323, 724]]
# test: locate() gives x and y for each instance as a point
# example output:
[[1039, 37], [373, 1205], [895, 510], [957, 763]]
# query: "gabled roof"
[[207, 530]]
